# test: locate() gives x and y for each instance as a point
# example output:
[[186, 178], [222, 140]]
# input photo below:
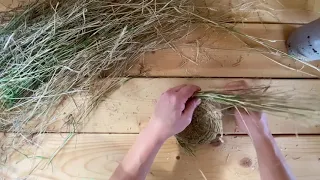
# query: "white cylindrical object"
[[304, 43]]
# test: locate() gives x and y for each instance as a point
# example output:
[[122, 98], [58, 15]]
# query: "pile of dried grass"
[[57, 48]]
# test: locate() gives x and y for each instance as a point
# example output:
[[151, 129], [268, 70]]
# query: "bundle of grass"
[[206, 125]]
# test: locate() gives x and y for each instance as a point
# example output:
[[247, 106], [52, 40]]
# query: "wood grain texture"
[[274, 11], [314, 5], [271, 11], [129, 108], [217, 53], [95, 156]]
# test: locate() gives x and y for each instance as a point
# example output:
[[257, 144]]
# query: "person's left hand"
[[174, 110]]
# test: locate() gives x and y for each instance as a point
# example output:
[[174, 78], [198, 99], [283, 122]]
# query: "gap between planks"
[[136, 133]]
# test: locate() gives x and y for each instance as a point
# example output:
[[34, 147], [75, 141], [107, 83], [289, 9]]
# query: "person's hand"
[[174, 110], [250, 122]]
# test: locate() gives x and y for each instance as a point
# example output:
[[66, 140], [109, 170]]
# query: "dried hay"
[[205, 126], [55, 49]]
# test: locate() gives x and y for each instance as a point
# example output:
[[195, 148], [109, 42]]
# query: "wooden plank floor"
[[129, 108], [95, 156], [112, 128], [219, 54]]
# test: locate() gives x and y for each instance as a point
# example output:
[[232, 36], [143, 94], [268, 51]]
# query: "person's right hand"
[[250, 122], [253, 123]]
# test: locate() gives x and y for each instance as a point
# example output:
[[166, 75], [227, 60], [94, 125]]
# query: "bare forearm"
[[173, 113], [272, 164], [136, 164]]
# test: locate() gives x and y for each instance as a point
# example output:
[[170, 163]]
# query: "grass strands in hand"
[[206, 126], [304, 106]]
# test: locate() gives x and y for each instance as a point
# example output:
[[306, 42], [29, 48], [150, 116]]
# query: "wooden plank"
[[272, 11], [129, 108], [317, 6], [95, 156], [314, 5], [207, 53], [218, 63]]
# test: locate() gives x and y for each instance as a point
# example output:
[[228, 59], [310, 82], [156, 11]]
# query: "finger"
[[187, 91], [244, 113], [247, 117], [191, 105], [177, 88], [240, 114], [263, 116]]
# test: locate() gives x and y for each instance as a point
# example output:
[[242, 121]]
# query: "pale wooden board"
[[95, 156], [314, 5], [130, 107], [217, 63], [217, 53], [275, 11]]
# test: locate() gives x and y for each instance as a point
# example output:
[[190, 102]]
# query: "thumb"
[[191, 105]]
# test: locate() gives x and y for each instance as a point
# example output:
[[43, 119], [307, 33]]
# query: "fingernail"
[[198, 102]]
